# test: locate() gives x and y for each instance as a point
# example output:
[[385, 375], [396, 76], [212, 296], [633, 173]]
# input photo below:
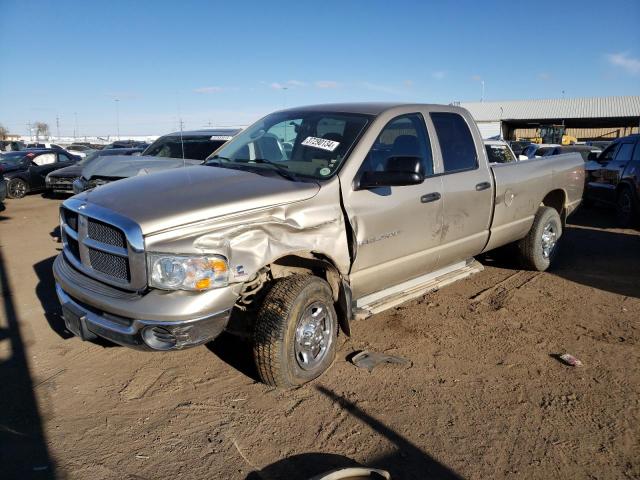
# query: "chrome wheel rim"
[[314, 335], [18, 189], [549, 240]]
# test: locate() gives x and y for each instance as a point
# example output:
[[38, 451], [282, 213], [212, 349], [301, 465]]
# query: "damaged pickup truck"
[[309, 218]]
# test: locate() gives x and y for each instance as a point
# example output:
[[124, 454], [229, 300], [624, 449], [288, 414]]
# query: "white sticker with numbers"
[[224, 138], [321, 143]]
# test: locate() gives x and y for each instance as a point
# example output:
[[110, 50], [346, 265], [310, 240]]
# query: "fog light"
[[159, 338]]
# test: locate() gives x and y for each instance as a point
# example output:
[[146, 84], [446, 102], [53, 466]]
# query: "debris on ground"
[[357, 473], [570, 360], [370, 360]]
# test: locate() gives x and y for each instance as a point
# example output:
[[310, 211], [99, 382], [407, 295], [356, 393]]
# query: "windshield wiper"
[[237, 163], [281, 169]]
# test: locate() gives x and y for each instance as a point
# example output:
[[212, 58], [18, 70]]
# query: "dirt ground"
[[484, 397]]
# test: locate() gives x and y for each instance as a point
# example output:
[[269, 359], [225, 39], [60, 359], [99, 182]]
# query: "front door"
[[41, 165], [397, 229]]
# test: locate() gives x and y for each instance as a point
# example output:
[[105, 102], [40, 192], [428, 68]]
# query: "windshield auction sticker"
[[321, 143], [224, 138]]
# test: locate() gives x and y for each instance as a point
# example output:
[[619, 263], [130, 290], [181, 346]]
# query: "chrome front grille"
[[106, 234], [103, 245], [109, 264]]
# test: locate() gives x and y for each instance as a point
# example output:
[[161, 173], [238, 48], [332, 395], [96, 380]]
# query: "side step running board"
[[383, 300]]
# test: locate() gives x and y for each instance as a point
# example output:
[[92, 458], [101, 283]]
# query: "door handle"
[[482, 186], [430, 197]]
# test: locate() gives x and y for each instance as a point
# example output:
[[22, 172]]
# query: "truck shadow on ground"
[[407, 462], [23, 447], [589, 254]]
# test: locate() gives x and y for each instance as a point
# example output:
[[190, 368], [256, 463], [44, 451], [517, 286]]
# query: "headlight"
[[178, 272]]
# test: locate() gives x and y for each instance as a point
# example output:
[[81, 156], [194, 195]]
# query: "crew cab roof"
[[368, 108]]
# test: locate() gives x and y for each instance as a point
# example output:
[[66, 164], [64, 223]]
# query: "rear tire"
[[626, 208], [296, 329], [17, 188], [539, 247]]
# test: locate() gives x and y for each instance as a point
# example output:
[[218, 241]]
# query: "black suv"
[[25, 170], [614, 178]]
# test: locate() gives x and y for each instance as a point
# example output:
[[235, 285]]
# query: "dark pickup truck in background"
[[614, 179]]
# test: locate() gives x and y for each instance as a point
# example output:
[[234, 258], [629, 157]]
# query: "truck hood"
[[125, 166], [67, 172], [178, 197]]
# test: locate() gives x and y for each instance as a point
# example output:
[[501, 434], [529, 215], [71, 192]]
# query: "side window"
[[624, 152], [609, 153], [636, 153], [456, 142], [404, 136], [45, 159], [63, 158]]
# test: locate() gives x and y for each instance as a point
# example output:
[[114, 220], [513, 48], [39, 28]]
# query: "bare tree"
[[3, 132], [42, 128]]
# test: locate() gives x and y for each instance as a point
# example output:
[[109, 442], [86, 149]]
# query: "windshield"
[[194, 147], [499, 154], [12, 158], [308, 144]]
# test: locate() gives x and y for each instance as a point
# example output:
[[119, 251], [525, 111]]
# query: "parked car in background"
[[79, 150], [42, 145], [536, 150], [587, 152], [25, 171], [174, 150], [519, 145], [62, 180], [368, 208], [11, 145], [126, 144], [499, 151], [614, 179]]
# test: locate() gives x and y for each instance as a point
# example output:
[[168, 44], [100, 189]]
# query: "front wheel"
[[626, 209], [17, 188], [539, 247], [296, 329]]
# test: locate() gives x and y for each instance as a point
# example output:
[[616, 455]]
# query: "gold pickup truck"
[[307, 219]]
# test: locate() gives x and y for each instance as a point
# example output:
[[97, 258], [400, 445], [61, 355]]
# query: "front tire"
[[626, 208], [296, 329], [17, 188], [539, 247]]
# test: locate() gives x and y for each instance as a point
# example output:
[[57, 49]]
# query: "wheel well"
[[322, 267], [308, 264], [556, 199]]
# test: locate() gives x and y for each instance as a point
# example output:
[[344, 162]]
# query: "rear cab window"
[[189, 146], [456, 142], [499, 154]]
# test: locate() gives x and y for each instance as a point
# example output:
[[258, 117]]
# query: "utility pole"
[[58, 126], [482, 96], [117, 100], [75, 130]]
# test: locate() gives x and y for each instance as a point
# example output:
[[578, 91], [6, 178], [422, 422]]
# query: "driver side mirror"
[[400, 171]]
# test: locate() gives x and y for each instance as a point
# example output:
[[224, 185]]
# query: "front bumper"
[[60, 184], [156, 320]]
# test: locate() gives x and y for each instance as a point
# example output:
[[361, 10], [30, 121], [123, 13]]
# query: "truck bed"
[[521, 186]]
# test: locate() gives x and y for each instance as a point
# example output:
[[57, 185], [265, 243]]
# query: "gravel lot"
[[484, 397]]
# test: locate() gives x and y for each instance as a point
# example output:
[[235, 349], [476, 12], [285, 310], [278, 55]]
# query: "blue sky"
[[228, 63]]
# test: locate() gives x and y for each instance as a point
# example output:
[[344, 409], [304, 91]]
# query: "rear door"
[[467, 189]]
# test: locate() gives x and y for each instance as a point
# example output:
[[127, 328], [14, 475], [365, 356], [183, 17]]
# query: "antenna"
[[184, 164]]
